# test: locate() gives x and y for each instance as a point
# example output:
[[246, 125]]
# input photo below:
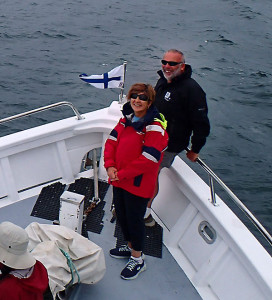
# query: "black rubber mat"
[[94, 221], [152, 243], [48, 203]]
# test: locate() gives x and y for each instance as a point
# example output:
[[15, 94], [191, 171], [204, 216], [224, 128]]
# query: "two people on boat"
[[132, 155], [135, 151], [22, 276]]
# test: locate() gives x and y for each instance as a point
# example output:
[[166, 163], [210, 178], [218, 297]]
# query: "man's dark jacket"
[[183, 103]]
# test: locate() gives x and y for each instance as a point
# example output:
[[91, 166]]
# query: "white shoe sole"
[[122, 257], [150, 224]]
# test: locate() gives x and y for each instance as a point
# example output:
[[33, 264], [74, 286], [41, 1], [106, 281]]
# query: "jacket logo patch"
[[167, 96]]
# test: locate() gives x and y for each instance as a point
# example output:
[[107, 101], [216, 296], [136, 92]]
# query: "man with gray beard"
[[183, 103]]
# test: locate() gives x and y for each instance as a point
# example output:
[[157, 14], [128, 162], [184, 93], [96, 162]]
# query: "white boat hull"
[[229, 265]]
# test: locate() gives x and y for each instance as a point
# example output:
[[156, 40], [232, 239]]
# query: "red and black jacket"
[[135, 149]]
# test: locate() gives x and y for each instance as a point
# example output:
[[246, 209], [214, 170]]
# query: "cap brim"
[[23, 261]]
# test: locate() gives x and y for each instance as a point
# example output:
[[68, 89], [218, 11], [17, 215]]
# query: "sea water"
[[46, 44]]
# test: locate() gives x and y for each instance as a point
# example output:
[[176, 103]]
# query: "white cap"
[[13, 247]]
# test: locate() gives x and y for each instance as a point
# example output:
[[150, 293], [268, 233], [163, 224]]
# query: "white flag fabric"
[[112, 79]]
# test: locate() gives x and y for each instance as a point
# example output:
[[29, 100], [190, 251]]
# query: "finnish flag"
[[112, 79]]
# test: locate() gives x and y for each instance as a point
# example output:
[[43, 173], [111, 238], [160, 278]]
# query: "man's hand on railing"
[[192, 155]]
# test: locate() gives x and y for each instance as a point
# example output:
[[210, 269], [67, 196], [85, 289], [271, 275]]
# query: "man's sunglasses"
[[170, 63], [142, 97]]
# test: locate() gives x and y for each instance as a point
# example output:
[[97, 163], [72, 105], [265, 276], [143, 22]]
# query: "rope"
[[72, 268]]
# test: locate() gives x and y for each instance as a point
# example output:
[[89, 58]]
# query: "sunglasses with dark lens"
[[170, 63], [142, 97]]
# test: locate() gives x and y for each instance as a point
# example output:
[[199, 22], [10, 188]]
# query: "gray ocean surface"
[[46, 44]]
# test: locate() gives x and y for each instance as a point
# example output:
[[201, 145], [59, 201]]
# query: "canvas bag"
[[67, 256]]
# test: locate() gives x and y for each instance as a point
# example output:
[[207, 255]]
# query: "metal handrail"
[[79, 117], [236, 200]]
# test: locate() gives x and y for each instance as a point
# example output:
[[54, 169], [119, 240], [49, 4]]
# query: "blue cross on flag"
[[112, 79]]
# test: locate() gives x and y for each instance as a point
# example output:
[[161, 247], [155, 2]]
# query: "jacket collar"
[[128, 113]]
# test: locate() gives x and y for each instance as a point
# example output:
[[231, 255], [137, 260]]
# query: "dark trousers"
[[130, 210]]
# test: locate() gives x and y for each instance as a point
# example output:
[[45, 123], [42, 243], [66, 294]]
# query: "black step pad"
[[152, 243], [48, 203]]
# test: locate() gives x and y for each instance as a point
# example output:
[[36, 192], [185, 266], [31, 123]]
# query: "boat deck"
[[163, 279]]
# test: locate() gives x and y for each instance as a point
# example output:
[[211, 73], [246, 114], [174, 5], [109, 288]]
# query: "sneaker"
[[149, 221], [120, 252], [133, 269]]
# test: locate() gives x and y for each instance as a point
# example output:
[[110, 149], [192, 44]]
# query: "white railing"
[[24, 114], [236, 200]]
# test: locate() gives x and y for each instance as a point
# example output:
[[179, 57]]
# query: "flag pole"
[[123, 86]]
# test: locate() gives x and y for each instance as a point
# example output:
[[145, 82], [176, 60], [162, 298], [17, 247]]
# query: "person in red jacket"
[[132, 155], [22, 276]]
